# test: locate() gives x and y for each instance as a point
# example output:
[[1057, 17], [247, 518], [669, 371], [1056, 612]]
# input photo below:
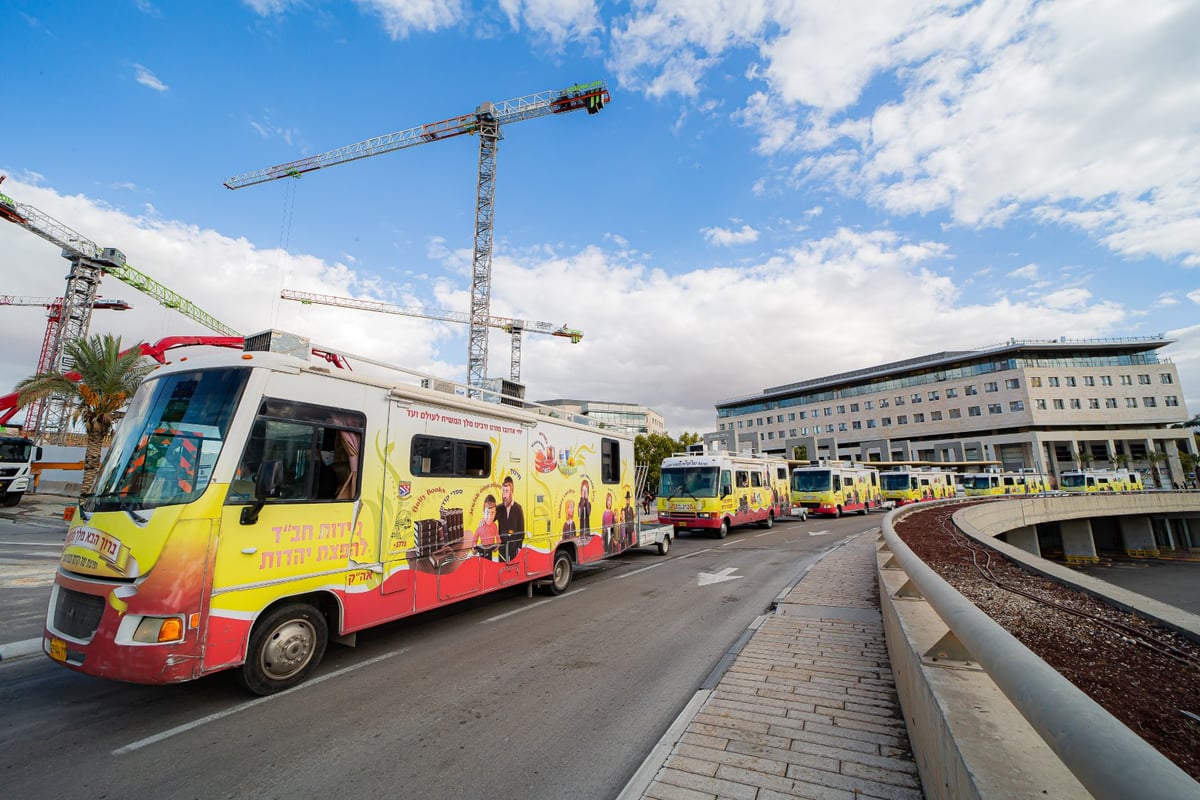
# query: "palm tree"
[[1085, 459], [1154, 458], [1121, 460], [107, 380]]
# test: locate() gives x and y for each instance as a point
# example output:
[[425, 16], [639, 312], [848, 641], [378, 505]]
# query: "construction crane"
[[89, 262], [514, 327], [486, 121], [54, 306]]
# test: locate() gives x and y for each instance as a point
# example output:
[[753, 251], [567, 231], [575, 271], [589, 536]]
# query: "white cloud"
[[894, 293], [1027, 272], [1194, 296], [402, 17], [147, 78], [559, 20], [725, 237], [1081, 113]]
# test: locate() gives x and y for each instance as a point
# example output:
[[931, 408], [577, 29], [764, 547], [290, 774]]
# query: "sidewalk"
[[42, 508], [807, 709]]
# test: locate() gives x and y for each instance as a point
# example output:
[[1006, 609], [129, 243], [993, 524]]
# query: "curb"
[[27, 647]]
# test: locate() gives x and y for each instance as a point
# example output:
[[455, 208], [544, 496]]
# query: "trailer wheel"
[[286, 645], [560, 579], [664, 546], [723, 531]]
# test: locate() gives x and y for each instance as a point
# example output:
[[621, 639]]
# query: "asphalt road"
[[497, 697]]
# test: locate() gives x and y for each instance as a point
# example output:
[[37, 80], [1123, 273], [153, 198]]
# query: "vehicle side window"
[[455, 458], [756, 479], [320, 450], [610, 461], [743, 478]]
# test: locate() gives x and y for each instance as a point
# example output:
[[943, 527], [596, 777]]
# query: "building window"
[[749, 423], [1131, 402], [883, 403], [1052, 382], [1070, 380], [1093, 402], [856, 425], [899, 400], [841, 426], [1036, 383], [1127, 380], [902, 419], [869, 404], [870, 423], [1165, 377], [1143, 379], [1076, 403], [918, 418], [770, 434], [739, 423], [792, 432], [1106, 380], [829, 411], [994, 408], [886, 421], [933, 395], [829, 428], [974, 411], [803, 415], [1040, 405], [1171, 400], [760, 422], [1110, 402], [1088, 380], [1058, 404], [1012, 383], [951, 393], [916, 397], [935, 416], [1016, 405], [969, 390], [854, 408], [956, 413], [991, 386], [1149, 402], [792, 417], [841, 409]]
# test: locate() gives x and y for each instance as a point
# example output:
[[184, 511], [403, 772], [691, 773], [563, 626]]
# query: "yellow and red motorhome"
[[719, 491], [904, 485], [1101, 480], [255, 505], [836, 488], [995, 482]]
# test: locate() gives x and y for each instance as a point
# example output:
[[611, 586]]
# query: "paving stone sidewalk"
[[808, 707]]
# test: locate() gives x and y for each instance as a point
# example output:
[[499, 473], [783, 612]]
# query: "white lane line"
[[167, 734]]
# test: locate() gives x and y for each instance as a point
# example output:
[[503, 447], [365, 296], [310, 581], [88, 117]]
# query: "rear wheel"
[[768, 522], [560, 579], [664, 545], [286, 645]]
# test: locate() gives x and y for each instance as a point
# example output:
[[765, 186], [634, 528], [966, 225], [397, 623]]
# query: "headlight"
[[159, 630]]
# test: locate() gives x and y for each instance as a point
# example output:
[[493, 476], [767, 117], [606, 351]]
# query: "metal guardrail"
[[1110, 760]]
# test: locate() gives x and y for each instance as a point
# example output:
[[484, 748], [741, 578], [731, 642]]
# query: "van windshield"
[[688, 481], [811, 480], [895, 482], [166, 446]]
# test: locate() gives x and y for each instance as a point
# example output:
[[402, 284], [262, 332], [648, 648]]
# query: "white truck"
[[17, 455]]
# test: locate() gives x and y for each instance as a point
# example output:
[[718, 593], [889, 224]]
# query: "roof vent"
[[273, 341]]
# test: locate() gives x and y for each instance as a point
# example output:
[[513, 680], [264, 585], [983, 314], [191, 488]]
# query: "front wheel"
[[723, 531], [287, 645], [560, 579], [11, 500], [664, 546]]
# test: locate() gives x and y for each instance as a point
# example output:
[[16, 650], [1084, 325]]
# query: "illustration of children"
[[487, 535], [569, 526]]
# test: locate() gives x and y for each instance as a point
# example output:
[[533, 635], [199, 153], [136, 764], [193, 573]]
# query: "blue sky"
[[777, 191]]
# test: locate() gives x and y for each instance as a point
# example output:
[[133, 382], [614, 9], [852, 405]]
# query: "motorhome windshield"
[[1074, 480], [811, 480], [167, 444], [688, 481], [15, 450], [897, 482]]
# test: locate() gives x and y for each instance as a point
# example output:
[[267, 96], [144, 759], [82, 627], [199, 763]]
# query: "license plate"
[[58, 649]]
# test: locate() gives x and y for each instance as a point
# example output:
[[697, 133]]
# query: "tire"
[[664, 546], [837, 514], [11, 500], [769, 522], [723, 531], [560, 578], [286, 646]]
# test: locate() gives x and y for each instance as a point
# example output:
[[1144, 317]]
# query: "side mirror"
[[37, 453], [726, 490], [266, 484]]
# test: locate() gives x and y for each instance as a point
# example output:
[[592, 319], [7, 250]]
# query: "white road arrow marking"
[[819, 533], [724, 575]]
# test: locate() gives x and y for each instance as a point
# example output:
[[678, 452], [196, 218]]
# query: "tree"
[[651, 449], [107, 380], [800, 452], [1154, 458], [1189, 463], [1085, 459], [1121, 460]]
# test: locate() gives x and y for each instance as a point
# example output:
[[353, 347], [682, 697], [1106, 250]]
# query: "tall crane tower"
[[89, 262], [514, 327], [486, 121]]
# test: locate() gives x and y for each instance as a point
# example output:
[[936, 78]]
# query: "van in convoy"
[[835, 488], [717, 491], [903, 485]]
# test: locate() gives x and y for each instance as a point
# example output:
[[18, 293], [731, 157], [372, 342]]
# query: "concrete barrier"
[[986, 717]]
